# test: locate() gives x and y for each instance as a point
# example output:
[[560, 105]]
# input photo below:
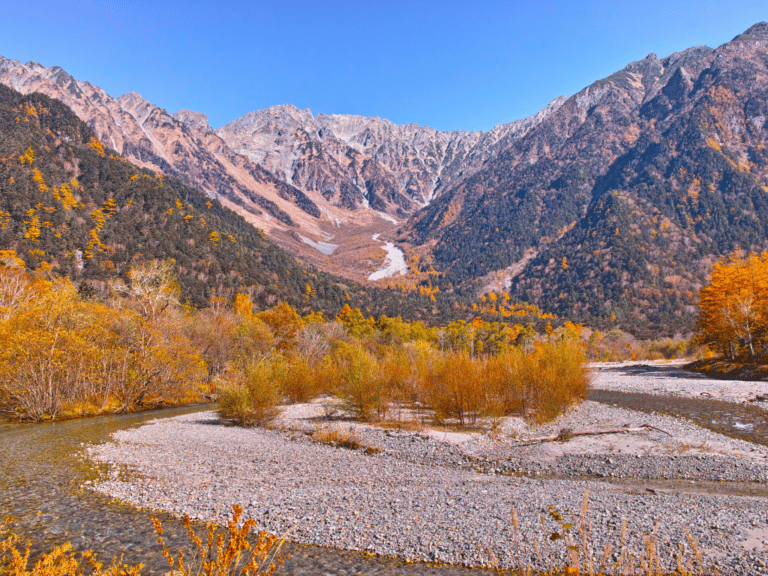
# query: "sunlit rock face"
[[287, 171], [357, 161]]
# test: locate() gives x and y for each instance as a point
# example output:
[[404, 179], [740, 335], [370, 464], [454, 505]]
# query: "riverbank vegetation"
[[65, 353], [733, 319], [79, 351], [129, 346], [733, 309], [568, 547], [215, 552], [377, 380]]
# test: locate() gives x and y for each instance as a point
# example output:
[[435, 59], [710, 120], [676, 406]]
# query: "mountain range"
[[609, 206]]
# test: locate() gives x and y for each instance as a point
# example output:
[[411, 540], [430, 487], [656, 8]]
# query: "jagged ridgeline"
[[68, 201], [613, 209]]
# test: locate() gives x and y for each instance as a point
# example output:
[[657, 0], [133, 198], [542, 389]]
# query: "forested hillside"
[[73, 207], [69, 203], [615, 207]]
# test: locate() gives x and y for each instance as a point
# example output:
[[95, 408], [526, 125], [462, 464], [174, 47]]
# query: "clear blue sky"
[[441, 63]]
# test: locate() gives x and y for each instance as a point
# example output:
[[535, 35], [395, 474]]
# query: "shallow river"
[[43, 473], [41, 481], [742, 421]]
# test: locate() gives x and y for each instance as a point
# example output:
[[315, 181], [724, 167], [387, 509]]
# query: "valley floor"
[[437, 495]]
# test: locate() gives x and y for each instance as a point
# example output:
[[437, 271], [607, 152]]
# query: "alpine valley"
[[609, 207]]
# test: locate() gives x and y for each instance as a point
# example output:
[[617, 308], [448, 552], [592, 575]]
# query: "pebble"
[[424, 499]]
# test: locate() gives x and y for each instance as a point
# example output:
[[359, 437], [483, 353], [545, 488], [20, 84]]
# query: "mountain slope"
[[68, 202], [358, 161], [70, 205], [177, 146], [609, 206], [304, 180], [614, 208]]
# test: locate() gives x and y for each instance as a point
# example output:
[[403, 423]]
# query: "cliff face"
[[355, 161]]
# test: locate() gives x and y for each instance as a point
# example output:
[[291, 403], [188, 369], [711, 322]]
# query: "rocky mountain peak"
[[130, 99], [286, 116], [687, 55], [544, 112], [194, 120], [757, 32], [290, 111]]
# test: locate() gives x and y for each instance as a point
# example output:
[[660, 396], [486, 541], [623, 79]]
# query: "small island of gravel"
[[436, 495]]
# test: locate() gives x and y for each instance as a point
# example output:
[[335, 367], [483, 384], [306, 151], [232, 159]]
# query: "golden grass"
[[61, 561], [223, 553], [339, 438], [574, 540], [567, 547]]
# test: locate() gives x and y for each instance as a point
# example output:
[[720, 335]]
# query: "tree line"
[[72, 351]]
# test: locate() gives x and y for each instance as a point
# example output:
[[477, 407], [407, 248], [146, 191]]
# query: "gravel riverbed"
[[667, 378], [442, 496]]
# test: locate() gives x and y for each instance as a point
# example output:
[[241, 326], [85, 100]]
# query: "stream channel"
[[43, 475]]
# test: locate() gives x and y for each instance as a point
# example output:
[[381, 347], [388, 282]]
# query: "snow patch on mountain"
[[323, 247]]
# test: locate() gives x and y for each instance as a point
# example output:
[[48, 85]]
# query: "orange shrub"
[[454, 387]]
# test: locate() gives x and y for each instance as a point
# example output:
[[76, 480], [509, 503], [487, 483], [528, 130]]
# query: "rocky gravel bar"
[[668, 378], [440, 496]]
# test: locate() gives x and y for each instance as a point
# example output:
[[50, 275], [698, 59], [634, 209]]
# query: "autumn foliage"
[[132, 345], [236, 549], [733, 308], [66, 356], [456, 374]]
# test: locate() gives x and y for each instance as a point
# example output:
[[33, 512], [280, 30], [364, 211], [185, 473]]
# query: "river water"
[[44, 478], [742, 421], [43, 487]]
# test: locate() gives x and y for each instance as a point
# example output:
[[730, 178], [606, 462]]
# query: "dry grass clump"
[[225, 552], [339, 438], [61, 561], [568, 549]]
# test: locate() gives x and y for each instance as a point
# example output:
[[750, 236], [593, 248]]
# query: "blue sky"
[[447, 64]]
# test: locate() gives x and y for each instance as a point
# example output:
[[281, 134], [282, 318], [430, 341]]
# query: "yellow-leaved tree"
[[65, 356], [163, 362], [48, 355], [733, 308]]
